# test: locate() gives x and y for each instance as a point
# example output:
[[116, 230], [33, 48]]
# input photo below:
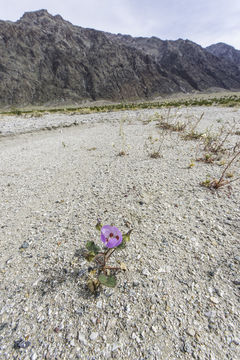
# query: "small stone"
[[137, 339], [34, 356], [219, 292], [94, 320], [115, 347], [93, 336], [154, 329], [186, 347], [135, 283], [145, 272], [211, 273], [56, 329], [82, 338], [214, 300], [237, 258], [21, 344], [210, 314], [72, 342], [191, 332], [24, 245], [3, 325], [236, 282], [236, 341], [99, 304]]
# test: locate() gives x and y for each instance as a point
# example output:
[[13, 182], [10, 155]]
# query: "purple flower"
[[111, 236]]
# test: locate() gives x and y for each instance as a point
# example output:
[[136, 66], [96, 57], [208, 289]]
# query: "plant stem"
[[230, 162]]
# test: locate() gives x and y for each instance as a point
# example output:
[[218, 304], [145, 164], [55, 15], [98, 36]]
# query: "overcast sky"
[[202, 21]]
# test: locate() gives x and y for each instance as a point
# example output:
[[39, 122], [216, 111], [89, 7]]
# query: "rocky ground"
[[178, 299]]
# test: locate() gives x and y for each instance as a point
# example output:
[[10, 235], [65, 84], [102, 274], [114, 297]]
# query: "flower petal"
[[114, 240]]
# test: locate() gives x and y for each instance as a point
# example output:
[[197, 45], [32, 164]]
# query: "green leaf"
[[126, 237], [93, 284], [90, 256], [98, 225], [92, 247], [109, 281], [122, 245]]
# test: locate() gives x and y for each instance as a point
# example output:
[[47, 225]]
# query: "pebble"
[[191, 332], [82, 338], [115, 346], [236, 341], [21, 344], [24, 245], [94, 336], [72, 342], [237, 258], [236, 282], [145, 272], [186, 347], [154, 329], [94, 320], [99, 304], [214, 300]]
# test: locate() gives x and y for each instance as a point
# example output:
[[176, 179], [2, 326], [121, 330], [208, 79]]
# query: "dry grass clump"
[[192, 133], [224, 177]]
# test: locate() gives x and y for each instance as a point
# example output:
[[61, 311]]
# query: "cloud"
[[205, 21]]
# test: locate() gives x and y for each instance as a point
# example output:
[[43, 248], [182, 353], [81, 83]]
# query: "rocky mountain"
[[226, 52], [45, 59], [186, 61]]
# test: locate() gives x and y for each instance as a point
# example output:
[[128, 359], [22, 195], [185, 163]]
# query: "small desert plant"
[[215, 143], [167, 124], [207, 158], [155, 117], [154, 144], [191, 164], [217, 183], [15, 112], [192, 133], [122, 135], [101, 273]]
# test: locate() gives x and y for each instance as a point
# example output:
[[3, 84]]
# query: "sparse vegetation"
[[232, 100], [153, 145], [224, 177], [122, 135], [192, 133]]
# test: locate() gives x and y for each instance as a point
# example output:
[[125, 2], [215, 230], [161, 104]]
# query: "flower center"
[[117, 237], [111, 235]]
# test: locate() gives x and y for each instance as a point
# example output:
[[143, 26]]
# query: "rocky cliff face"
[[187, 62], [225, 52], [45, 59]]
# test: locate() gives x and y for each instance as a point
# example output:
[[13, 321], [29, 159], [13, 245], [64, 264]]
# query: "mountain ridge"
[[45, 58]]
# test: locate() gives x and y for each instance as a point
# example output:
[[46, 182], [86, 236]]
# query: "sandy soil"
[[178, 299]]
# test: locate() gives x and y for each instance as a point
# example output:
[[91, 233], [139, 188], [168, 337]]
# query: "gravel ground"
[[178, 299]]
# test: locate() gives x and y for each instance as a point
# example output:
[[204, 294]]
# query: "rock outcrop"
[[225, 52], [187, 62]]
